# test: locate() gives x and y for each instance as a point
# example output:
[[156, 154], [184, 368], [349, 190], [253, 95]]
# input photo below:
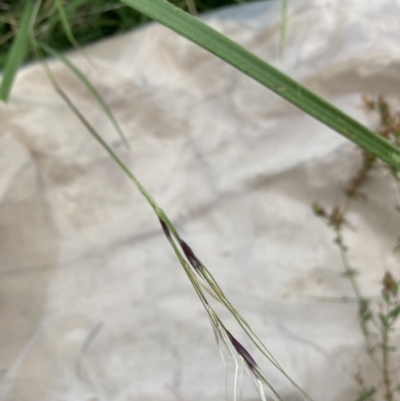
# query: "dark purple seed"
[[165, 229], [251, 363], [192, 258]]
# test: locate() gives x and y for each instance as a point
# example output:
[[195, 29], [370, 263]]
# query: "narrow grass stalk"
[[195, 270], [18, 52], [68, 31], [283, 29], [229, 51], [361, 300], [82, 77], [386, 362], [65, 23], [68, 8]]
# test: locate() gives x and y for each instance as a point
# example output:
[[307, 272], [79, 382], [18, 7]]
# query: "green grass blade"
[[216, 43], [17, 52], [69, 8], [65, 23], [283, 28], [89, 86], [102, 142]]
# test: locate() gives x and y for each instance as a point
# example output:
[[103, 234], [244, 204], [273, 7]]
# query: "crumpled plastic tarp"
[[93, 302]]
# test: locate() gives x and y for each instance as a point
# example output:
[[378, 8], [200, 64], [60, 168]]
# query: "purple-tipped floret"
[[192, 258], [165, 229], [251, 363]]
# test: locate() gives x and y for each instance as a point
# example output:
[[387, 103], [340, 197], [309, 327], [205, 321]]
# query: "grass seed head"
[[250, 362], [165, 229], [192, 258]]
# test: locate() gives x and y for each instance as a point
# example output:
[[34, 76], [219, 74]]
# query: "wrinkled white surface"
[[94, 304]]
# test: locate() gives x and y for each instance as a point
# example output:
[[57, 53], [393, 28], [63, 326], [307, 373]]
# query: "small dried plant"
[[378, 315]]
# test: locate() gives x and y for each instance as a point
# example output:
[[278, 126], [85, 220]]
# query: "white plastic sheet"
[[93, 302]]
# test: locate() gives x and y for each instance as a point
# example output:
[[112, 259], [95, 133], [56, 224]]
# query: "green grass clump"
[[89, 20]]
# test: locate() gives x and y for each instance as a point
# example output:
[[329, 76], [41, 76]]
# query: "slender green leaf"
[[71, 7], [65, 23], [17, 52], [218, 44], [88, 85], [283, 28]]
